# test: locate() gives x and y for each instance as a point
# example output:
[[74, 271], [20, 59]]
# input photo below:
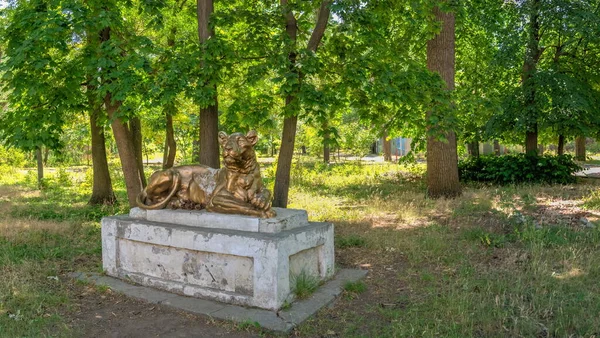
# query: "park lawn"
[[496, 262]]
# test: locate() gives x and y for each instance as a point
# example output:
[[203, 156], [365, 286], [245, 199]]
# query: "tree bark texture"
[[580, 148], [326, 146], [286, 152], [40, 165], [46, 155], [102, 192], [387, 147], [135, 127], [442, 157], [209, 116], [124, 141], [170, 110], [126, 149], [532, 56], [473, 148], [496, 148], [560, 150], [170, 144]]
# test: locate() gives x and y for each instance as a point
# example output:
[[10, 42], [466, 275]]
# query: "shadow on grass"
[[65, 204]]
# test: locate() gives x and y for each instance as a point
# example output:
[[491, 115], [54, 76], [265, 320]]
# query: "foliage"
[[519, 168], [11, 157]]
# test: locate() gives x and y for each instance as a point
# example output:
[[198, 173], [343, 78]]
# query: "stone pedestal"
[[229, 258]]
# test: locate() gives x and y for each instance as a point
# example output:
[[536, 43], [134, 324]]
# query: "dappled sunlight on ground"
[[575, 272], [11, 227]]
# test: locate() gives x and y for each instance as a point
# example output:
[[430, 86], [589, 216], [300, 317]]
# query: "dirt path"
[[108, 314]]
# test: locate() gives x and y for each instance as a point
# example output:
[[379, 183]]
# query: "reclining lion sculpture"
[[236, 188]]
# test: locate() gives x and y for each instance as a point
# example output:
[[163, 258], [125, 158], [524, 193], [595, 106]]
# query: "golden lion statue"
[[236, 188]]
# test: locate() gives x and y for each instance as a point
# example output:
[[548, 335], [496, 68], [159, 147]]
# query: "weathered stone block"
[[206, 255]]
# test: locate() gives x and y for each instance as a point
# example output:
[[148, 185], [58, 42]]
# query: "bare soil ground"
[[108, 314]]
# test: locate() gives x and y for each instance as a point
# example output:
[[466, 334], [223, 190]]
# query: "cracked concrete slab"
[[281, 321]]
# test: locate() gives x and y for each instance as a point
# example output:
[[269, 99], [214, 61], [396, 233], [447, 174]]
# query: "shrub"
[[11, 157], [519, 168]]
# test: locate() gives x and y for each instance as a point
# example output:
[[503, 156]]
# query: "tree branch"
[[319, 31]]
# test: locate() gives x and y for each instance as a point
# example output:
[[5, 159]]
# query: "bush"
[[519, 168], [11, 157]]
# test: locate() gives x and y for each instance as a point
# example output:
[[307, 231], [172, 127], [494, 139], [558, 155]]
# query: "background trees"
[[343, 73]]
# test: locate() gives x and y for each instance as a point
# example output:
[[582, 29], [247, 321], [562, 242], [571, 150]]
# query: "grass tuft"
[[355, 287], [304, 284], [350, 241]]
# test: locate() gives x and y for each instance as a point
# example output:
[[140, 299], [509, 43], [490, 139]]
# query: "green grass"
[[495, 262], [304, 284], [355, 287], [350, 241], [44, 235]]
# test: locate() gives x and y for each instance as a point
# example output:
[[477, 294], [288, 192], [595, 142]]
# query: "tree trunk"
[[531, 144], [580, 148], [170, 144], [170, 111], [473, 148], [209, 116], [284, 162], [286, 152], [102, 192], [40, 166], [387, 147], [496, 148], [46, 155], [540, 149], [326, 138], [442, 157], [124, 141], [532, 56], [126, 149], [560, 150], [135, 127]]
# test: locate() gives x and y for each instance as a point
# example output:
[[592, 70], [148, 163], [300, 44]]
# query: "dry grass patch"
[[13, 228]]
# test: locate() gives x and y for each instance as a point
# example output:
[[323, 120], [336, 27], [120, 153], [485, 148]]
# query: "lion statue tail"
[[141, 198]]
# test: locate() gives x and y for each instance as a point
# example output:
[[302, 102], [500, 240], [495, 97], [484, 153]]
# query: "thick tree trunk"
[[170, 144], [442, 157], [126, 149], [286, 152], [560, 150], [102, 192], [387, 147], [124, 141], [580, 148], [532, 56], [473, 148], [531, 144], [284, 163], [135, 127], [288, 138], [209, 116], [209, 130], [40, 166]]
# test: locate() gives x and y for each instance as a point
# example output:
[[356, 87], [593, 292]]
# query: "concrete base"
[[282, 321], [206, 255]]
